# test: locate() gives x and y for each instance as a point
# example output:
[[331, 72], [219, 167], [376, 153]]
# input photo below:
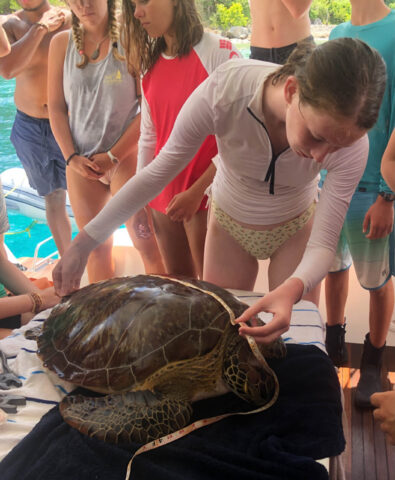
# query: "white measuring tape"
[[171, 437]]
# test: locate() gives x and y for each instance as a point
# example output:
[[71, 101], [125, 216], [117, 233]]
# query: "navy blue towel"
[[278, 444]]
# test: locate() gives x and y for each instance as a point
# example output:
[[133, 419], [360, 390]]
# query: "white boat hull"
[[22, 198]]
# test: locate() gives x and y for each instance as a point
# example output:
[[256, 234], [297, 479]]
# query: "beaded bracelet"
[[37, 302], [71, 156]]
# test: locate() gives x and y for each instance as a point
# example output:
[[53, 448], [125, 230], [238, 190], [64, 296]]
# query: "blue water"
[[21, 244]]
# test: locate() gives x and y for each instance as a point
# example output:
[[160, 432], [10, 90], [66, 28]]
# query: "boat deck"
[[368, 456]]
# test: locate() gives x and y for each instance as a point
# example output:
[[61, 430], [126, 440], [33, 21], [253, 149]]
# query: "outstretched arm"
[[25, 303], [11, 277], [17, 283], [194, 123]]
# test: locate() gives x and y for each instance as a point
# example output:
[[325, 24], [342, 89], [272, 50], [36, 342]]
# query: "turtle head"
[[243, 373]]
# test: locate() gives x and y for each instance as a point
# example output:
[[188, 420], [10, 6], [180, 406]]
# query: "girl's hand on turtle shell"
[[279, 302], [70, 268], [49, 297], [85, 167], [101, 162]]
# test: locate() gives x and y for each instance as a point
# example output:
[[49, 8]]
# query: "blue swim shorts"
[[39, 153], [373, 259]]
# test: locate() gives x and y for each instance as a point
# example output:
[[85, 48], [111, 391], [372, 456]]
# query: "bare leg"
[[173, 245], [288, 256], [87, 198], [336, 292], [196, 230], [58, 220], [314, 295], [226, 263], [147, 248], [381, 307]]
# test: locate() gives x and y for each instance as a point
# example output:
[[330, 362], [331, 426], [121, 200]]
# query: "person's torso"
[[241, 186], [101, 101], [31, 84], [273, 26], [171, 81], [166, 88]]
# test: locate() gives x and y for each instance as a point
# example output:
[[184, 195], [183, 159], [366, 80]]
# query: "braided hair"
[[78, 38], [78, 33]]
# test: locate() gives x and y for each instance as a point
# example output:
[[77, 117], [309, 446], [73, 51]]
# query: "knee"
[[55, 199], [382, 292], [148, 247]]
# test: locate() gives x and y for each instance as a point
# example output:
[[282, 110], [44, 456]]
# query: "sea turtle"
[[153, 345]]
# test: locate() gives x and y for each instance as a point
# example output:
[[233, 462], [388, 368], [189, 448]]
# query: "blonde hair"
[[78, 34], [142, 52]]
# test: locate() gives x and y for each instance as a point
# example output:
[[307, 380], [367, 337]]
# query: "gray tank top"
[[101, 100]]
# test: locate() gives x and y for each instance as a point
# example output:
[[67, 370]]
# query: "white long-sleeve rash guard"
[[228, 104]]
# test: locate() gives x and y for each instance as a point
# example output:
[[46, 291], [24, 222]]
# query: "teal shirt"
[[381, 36], [3, 293]]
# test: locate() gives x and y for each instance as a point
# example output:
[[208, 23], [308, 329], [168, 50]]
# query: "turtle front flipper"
[[128, 417]]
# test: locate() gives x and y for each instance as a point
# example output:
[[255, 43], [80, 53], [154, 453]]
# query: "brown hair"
[[78, 33], [344, 76], [142, 51]]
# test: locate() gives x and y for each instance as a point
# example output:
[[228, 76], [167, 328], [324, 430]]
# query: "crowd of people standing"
[[213, 161]]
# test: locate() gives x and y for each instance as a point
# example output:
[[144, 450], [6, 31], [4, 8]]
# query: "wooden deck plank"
[[357, 443], [368, 455], [344, 379], [390, 450], [379, 451]]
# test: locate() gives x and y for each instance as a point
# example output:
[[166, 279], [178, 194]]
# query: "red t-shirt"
[[166, 87]]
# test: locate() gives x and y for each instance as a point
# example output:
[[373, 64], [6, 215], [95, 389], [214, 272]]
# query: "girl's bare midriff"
[[273, 26]]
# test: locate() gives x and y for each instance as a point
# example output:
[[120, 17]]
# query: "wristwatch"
[[388, 197], [113, 158]]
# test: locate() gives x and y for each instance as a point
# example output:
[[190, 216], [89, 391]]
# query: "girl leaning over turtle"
[[94, 114], [165, 43], [276, 128]]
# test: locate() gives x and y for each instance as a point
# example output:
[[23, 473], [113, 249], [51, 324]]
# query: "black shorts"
[[276, 55], [11, 322]]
